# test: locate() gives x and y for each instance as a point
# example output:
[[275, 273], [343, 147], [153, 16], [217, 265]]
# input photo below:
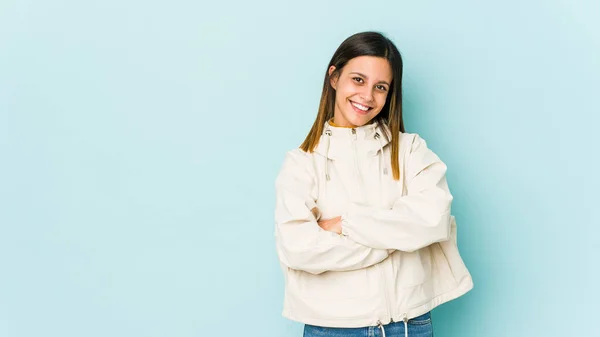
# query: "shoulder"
[[297, 156], [416, 155], [411, 142], [296, 166]]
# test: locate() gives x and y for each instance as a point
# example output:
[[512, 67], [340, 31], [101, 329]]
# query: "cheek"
[[342, 94], [347, 89], [381, 100]]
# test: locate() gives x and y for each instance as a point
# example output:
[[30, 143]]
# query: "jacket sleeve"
[[417, 219], [301, 243]]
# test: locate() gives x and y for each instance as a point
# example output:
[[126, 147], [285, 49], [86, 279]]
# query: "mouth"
[[360, 108]]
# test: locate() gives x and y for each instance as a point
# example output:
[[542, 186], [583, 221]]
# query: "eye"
[[382, 88], [358, 79]]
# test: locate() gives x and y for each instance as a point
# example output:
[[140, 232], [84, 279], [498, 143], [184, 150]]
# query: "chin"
[[360, 120]]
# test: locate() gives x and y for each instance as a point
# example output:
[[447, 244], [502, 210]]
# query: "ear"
[[333, 79]]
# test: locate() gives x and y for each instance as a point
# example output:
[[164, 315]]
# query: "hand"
[[332, 225]]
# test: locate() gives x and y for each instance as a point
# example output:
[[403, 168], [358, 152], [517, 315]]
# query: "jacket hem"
[[359, 322], [462, 289]]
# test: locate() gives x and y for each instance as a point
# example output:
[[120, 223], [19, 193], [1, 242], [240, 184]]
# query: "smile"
[[360, 107]]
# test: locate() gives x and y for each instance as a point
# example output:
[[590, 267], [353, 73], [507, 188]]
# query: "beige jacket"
[[397, 257]]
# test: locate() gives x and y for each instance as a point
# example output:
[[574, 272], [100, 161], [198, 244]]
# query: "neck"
[[332, 123]]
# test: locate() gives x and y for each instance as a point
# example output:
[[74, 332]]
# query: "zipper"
[[385, 291], [362, 193], [385, 295], [355, 151]]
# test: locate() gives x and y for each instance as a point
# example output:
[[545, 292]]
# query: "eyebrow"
[[365, 76]]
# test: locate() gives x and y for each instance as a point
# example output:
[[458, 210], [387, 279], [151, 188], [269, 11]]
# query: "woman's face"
[[360, 90]]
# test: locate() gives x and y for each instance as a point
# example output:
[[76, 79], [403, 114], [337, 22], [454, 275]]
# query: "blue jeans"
[[420, 326]]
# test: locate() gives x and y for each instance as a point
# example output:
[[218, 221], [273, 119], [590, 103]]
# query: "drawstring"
[[382, 329], [381, 155], [378, 137], [328, 133], [383, 193], [380, 326]]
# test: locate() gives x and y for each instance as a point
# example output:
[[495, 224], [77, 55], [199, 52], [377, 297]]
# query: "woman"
[[363, 226]]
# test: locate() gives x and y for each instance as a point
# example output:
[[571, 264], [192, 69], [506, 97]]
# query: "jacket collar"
[[337, 142]]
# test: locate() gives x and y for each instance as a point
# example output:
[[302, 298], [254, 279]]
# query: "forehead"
[[376, 68]]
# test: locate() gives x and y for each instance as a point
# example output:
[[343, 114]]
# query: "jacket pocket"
[[421, 320], [413, 268], [443, 271], [355, 284]]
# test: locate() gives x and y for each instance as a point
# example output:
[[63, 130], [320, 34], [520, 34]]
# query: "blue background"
[[139, 144]]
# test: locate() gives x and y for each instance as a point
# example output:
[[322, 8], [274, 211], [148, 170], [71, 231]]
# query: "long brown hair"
[[364, 44]]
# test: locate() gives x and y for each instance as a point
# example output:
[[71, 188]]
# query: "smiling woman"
[[365, 252], [360, 97]]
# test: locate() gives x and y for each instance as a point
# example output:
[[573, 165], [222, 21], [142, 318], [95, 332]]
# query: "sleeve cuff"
[[345, 224], [312, 206]]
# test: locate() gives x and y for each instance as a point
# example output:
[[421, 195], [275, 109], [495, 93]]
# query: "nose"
[[367, 94]]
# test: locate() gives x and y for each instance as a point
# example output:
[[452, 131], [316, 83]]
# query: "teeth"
[[361, 107]]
